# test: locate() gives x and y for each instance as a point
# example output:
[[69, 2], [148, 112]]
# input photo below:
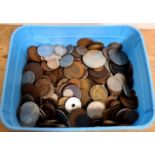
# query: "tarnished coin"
[[28, 77], [127, 90], [52, 56], [35, 68], [85, 97], [85, 84], [99, 80], [45, 67], [94, 59], [115, 45], [82, 50], [29, 114], [84, 42], [99, 93], [66, 60], [27, 97], [43, 86], [118, 57], [127, 116], [62, 101], [75, 89], [109, 100], [75, 81], [95, 109], [105, 52], [109, 123], [61, 116], [50, 93], [96, 46], [53, 63], [114, 85], [76, 70], [60, 50], [120, 77], [45, 50], [70, 49], [68, 93], [72, 103], [33, 55], [30, 89], [78, 118]]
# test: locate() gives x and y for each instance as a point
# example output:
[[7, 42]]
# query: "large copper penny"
[[35, 68], [43, 86], [96, 46], [84, 42], [76, 70], [45, 67], [33, 55]]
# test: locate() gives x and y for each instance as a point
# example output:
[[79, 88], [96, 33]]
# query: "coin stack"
[[77, 86]]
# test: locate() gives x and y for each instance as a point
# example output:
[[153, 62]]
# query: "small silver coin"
[[66, 60], [29, 114], [70, 49], [28, 77], [60, 50], [118, 57], [45, 50]]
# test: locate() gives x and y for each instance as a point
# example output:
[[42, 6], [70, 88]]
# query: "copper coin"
[[109, 100], [99, 80], [109, 123], [85, 84], [99, 74], [75, 89], [84, 42], [75, 81], [85, 97], [99, 93], [53, 63], [33, 55], [61, 83], [76, 70], [62, 101], [79, 118], [96, 46], [115, 45], [50, 93], [45, 67], [43, 86], [35, 68], [30, 89], [129, 102], [82, 50]]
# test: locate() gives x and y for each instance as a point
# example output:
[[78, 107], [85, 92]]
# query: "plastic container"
[[26, 36]]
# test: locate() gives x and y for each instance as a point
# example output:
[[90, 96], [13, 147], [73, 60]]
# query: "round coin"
[[115, 45], [66, 60], [33, 55], [94, 59], [70, 49], [82, 50], [99, 93], [45, 50], [53, 63], [45, 67], [28, 77], [60, 50], [62, 101], [84, 42]]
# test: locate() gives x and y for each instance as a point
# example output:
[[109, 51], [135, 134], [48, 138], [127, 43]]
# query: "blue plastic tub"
[[26, 36]]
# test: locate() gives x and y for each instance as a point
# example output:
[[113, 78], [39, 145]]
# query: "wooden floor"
[[6, 30]]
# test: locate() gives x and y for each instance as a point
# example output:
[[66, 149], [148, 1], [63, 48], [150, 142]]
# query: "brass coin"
[[85, 98], [62, 82], [99, 93], [96, 46], [99, 80], [76, 70], [33, 55], [43, 86], [85, 84], [114, 85], [35, 68], [62, 101], [84, 42], [45, 67], [75, 81]]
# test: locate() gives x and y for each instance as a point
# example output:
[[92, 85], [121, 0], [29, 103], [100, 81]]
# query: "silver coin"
[[45, 50], [29, 113], [66, 60], [82, 50], [28, 77], [60, 50], [70, 49], [118, 57]]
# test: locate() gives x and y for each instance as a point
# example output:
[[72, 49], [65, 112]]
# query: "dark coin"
[[84, 42], [35, 68], [96, 122], [33, 55], [109, 123], [27, 97], [129, 102], [61, 116], [79, 118], [115, 45], [127, 116], [28, 77], [128, 91], [30, 89], [82, 50], [105, 52], [47, 123], [70, 49], [118, 57]]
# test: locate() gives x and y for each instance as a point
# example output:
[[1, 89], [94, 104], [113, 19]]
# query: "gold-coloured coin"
[[62, 101]]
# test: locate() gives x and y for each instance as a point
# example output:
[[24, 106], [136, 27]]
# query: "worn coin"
[[72, 103], [60, 50], [70, 49], [75, 81], [115, 45], [120, 77], [84, 42], [66, 60], [96, 46], [28, 77], [27, 97], [85, 97], [53, 63], [82, 50], [45, 50], [45, 67], [99, 93], [94, 59], [62, 101], [33, 55]]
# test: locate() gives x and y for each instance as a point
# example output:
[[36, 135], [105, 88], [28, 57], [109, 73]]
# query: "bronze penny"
[[79, 118], [30, 89], [35, 68], [129, 102], [100, 80], [115, 45], [96, 46], [33, 55], [109, 123], [76, 70], [45, 67], [43, 86], [109, 100], [84, 42], [75, 81], [85, 98], [62, 101], [85, 84]]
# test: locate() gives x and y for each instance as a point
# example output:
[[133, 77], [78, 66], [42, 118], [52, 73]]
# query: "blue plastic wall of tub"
[[26, 36]]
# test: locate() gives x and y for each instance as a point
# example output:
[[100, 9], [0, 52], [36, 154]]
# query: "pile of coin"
[[77, 86]]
